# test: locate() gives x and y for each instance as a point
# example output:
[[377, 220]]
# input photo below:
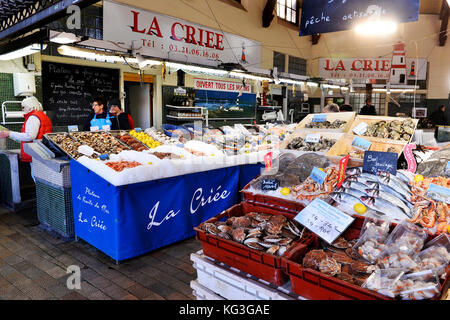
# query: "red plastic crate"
[[314, 285], [267, 201], [260, 264]]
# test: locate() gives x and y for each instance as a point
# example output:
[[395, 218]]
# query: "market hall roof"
[[20, 16]]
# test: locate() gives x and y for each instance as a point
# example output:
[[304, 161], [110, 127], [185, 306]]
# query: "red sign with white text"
[[219, 85]]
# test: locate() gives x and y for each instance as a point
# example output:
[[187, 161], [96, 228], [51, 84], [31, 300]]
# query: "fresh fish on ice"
[[345, 199], [353, 192], [384, 206], [391, 198], [355, 185], [380, 186]]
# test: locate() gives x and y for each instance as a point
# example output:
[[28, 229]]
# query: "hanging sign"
[[324, 220], [322, 16], [166, 37], [375, 161], [219, 85], [369, 68]]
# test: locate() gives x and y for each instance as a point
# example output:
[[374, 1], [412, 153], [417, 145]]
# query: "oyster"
[[394, 130]]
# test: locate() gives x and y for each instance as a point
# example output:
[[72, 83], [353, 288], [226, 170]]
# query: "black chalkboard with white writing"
[[68, 90], [322, 16]]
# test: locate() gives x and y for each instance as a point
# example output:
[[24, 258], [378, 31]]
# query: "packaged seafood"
[[418, 286], [407, 238], [435, 258], [384, 281]]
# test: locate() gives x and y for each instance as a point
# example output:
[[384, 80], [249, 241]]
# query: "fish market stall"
[[120, 182]]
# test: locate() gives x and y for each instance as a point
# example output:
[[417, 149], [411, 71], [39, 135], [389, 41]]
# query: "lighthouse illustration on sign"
[[398, 65]]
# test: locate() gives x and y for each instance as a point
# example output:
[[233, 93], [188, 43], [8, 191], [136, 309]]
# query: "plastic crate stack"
[[54, 199], [218, 281]]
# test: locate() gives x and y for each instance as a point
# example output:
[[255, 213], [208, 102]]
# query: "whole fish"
[[387, 180], [353, 171], [384, 206], [395, 179], [353, 192], [355, 185], [403, 177], [368, 176], [380, 186], [391, 198], [345, 199]]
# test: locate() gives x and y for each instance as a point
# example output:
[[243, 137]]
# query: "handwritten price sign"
[[324, 220]]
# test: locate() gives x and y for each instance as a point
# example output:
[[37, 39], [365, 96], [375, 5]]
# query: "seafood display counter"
[[332, 122], [129, 220]]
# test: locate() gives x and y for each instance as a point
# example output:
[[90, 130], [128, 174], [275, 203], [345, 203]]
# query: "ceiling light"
[[376, 27], [291, 81], [31, 49], [249, 76], [195, 68], [88, 54], [64, 38]]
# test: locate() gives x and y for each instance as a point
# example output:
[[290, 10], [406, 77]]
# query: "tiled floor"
[[33, 265]]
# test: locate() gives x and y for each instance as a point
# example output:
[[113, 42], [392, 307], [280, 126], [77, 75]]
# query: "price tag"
[[448, 166], [104, 156], [324, 220], [269, 184], [96, 128], [312, 137], [72, 128], [375, 161], [106, 127], [137, 129], [318, 175], [438, 193], [361, 128], [319, 118], [361, 144], [342, 166], [268, 161], [407, 152]]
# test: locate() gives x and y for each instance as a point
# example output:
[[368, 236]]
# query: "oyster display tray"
[[373, 119], [260, 264], [314, 285], [344, 116], [275, 203], [302, 134]]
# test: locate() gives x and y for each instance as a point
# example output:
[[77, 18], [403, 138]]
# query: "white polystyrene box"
[[24, 84]]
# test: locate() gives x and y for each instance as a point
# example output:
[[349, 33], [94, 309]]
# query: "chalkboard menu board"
[[322, 16], [68, 90]]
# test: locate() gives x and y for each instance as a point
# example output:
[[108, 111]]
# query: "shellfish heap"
[[336, 124], [300, 144], [339, 260], [69, 145], [101, 142], [274, 234], [394, 130]]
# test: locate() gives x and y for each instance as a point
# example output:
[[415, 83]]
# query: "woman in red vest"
[[36, 124]]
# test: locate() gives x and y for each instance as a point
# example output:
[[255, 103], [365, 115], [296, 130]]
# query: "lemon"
[[448, 229], [321, 169], [149, 162], [360, 208], [418, 178], [285, 191]]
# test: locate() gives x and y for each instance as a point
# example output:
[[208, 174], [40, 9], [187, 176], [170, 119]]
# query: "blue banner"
[[322, 16], [127, 221]]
